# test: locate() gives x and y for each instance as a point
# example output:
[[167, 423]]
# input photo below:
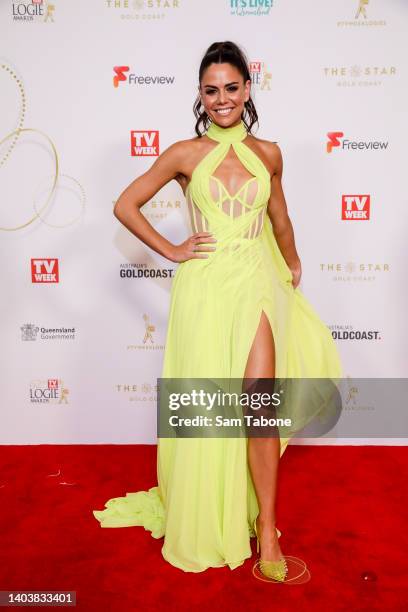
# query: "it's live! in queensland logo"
[[242, 8], [44, 270], [144, 143]]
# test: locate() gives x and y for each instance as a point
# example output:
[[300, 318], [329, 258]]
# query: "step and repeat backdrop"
[[92, 91]]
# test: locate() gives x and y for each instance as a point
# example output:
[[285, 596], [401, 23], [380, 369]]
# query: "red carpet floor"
[[341, 509]]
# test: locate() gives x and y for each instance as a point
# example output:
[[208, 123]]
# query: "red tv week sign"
[[144, 142], [44, 270], [355, 207]]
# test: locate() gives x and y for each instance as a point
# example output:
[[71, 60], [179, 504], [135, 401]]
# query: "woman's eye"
[[211, 92]]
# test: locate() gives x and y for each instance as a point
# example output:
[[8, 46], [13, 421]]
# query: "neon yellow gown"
[[204, 504]]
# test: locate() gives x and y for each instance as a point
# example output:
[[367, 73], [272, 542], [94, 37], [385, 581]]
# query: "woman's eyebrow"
[[226, 85]]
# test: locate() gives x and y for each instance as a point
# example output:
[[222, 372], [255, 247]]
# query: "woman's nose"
[[221, 97]]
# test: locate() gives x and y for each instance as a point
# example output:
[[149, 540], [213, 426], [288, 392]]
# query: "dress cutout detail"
[[204, 504]]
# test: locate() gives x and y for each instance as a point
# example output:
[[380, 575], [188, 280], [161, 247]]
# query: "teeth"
[[224, 111]]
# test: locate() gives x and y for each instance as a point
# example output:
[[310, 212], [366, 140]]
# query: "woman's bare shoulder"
[[270, 153], [186, 154], [186, 146]]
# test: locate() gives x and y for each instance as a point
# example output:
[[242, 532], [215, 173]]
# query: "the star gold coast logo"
[[352, 271], [158, 209], [54, 192], [361, 17], [143, 10], [138, 392], [36, 10], [148, 341], [358, 75]]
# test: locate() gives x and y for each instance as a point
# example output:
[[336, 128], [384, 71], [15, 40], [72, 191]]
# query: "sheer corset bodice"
[[232, 217], [232, 206]]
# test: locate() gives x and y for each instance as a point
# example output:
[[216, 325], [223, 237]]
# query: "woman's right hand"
[[193, 247]]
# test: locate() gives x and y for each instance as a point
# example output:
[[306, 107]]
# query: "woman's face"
[[223, 93]]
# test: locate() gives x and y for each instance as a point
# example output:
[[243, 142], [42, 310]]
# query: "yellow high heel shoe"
[[271, 569]]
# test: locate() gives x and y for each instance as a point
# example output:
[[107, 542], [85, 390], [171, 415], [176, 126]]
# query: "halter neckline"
[[235, 133]]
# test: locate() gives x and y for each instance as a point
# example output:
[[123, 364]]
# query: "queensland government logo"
[[50, 391], [336, 141], [243, 8], [31, 332], [37, 10]]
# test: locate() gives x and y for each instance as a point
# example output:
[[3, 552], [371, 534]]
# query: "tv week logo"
[[144, 142], [355, 207], [44, 270]]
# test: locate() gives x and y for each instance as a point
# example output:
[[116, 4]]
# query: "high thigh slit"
[[204, 503]]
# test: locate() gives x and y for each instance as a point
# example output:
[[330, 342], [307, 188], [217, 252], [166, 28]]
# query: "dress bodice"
[[238, 215]]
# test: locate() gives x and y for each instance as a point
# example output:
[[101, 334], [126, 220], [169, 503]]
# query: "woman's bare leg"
[[264, 453]]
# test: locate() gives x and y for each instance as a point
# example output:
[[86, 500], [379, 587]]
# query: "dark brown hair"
[[220, 53]]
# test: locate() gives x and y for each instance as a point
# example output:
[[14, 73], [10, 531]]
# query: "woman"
[[235, 312]]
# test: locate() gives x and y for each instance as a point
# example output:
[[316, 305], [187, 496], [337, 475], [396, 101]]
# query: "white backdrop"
[[81, 354]]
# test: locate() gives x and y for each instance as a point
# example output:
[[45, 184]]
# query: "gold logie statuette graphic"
[[149, 330], [351, 398], [49, 14], [148, 340], [361, 10], [360, 17]]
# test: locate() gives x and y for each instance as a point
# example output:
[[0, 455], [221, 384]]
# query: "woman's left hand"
[[296, 274]]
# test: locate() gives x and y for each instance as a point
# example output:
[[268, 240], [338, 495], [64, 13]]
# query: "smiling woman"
[[235, 313]]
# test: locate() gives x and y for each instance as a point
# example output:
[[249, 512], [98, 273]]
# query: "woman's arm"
[[127, 208], [278, 214]]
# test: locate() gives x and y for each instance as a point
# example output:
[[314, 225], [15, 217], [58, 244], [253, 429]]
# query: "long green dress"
[[204, 504]]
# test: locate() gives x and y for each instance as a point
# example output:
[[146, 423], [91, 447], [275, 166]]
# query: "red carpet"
[[341, 509]]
